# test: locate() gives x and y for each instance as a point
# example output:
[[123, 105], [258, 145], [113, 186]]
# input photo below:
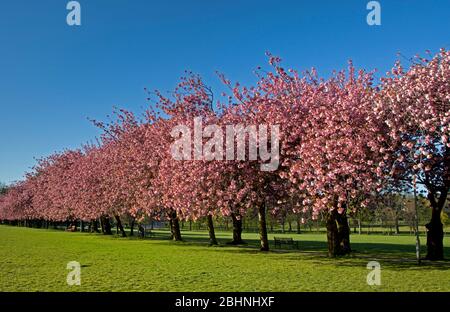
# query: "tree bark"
[[106, 225], [343, 233], [237, 229], [263, 228], [397, 226], [212, 234], [435, 229], [94, 226], [102, 225], [299, 222], [133, 220], [332, 234], [120, 226], [174, 225]]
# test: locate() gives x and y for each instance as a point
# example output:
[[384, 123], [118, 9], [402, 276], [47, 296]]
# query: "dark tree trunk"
[[133, 220], [299, 222], [94, 226], [263, 228], [81, 226], [174, 226], [102, 225], [343, 233], [237, 229], [290, 226], [397, 226], [106, 225], [212, 234], [120, 226], [332, 234], [435, 230]]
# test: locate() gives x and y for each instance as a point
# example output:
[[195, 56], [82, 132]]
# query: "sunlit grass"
[[36, 259]]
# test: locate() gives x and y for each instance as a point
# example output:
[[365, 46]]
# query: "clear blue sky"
[[52, 76]]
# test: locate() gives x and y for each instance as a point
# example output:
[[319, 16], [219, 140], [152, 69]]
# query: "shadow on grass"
[[396, 256]]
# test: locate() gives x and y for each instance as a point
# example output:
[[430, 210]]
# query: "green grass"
[[36, 259]]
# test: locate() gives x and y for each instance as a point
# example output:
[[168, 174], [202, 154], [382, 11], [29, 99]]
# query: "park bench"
[[285, 241]]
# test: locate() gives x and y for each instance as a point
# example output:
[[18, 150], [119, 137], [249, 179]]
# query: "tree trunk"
[[102, 225], [237, 229], [174, 226], [94, 226], [397, 226], [120, 226], [343, 233], [332, 234], [435, 230], [106, 225], [299, 222], [263, 227], [212, 234], [133, 220]]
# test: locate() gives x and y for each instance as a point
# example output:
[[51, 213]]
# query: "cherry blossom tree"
[[415, 105], [326, 147]]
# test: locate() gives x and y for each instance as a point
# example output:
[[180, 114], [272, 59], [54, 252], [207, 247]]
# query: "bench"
[[285, 241]]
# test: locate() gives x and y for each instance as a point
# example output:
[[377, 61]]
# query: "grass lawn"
[[36, 259]]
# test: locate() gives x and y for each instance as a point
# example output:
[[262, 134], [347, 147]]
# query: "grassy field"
[[36, 259]]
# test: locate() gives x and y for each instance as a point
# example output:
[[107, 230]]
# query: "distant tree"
[[3, 188]]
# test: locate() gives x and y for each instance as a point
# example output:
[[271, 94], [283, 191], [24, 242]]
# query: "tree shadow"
[[398, 256]]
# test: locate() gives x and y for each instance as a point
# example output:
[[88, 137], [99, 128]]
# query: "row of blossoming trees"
[[342, 141]]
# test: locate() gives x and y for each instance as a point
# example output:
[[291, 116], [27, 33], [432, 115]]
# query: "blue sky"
[[53, 76]]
